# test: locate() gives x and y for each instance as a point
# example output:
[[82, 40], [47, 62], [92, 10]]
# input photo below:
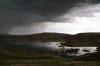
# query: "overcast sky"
[[35, 16], [85, 20]]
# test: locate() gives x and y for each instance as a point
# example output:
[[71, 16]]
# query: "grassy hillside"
[[14, 53], [11, 52], [17, 56], [81, 39], [84, 39], [36, 37]]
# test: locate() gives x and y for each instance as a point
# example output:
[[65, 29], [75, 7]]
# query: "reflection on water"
[[55, 47], [76, 51]]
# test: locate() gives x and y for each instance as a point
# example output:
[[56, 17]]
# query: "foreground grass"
[[33, 61], [24, 57], [46, 62], [46, 59]]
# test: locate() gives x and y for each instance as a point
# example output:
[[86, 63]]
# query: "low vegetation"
[[27, 57]]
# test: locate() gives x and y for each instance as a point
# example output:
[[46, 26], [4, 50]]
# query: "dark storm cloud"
[[95, 1], [42, 7], [25, 13]]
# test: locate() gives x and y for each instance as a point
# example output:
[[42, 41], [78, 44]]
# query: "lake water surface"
[[55, 47]]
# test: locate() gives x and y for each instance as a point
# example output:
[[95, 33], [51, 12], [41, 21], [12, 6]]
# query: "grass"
[[48, 62], [10, 56], [45, 59]]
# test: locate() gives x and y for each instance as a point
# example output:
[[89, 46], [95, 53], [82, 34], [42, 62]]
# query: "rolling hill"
[[81, 39]]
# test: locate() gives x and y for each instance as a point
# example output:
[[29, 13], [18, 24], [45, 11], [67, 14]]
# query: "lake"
[[55, 47]]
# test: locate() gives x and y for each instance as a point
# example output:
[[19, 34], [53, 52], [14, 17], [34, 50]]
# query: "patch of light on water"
[[81, 51], [55, 47]]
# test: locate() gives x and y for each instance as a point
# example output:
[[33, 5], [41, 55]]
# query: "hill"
[[81, 39], [35, 37]]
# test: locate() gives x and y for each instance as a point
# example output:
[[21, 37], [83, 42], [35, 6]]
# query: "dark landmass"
[[9, 53], [81, 39]]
